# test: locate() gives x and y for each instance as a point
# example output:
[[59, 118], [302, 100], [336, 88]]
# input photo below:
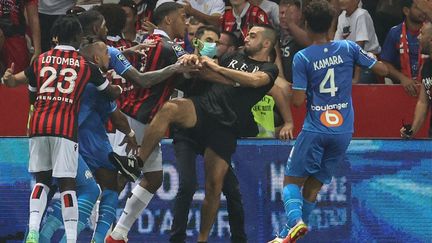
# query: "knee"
[[168, 110], [187, 188], [213, 188]]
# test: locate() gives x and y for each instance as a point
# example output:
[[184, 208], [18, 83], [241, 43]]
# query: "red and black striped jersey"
[[12, 20], [143, 103], [253, 15], [122, 44], [58, 77]]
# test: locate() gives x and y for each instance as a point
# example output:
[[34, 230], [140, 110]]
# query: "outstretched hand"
[[131, 144], [8, 77]]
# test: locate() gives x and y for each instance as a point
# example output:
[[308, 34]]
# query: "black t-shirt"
[[231, 106], [289, 47], [427, 78]]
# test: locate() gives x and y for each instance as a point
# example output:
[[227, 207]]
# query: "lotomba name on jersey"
[[327, 62], [61, 61]]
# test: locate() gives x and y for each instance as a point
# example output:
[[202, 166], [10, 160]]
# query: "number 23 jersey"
[[325, 73], [58, 78]]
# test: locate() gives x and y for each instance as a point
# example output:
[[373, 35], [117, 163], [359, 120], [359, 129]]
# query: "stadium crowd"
[[107, 76]]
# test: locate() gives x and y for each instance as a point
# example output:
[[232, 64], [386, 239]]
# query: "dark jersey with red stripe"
[[58, 77], [12, 20], [254, 15], [143, 103], [127, 86]]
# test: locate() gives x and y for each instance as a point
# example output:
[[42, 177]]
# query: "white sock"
[[70, 214], [135, 205], [38, 201]]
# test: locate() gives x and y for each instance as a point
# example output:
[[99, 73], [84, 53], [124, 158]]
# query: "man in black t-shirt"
[[219, 115], [424, 100]]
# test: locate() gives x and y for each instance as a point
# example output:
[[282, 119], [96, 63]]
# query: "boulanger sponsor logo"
[[331, 117]]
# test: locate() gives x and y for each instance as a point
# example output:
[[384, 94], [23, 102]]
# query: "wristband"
[[121, 89], [131, 134]]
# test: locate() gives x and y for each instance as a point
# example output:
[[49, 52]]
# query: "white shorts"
[[154, 162], [53, 153]]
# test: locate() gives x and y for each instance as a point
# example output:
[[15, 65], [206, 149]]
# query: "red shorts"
[[15, 51]]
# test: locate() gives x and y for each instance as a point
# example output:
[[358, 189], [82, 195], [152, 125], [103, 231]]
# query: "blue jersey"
[[325, 72], [95, 109], [118, 61]]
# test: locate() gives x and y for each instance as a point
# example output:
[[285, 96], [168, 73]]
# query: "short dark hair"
[[88, 19], [130, 4], [269, 32], [200, 31], [232, 39], [407, 3], [67, 29], [319, 16], [115, 17], [163, 10]]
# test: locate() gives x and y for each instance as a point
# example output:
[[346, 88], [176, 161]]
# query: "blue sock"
[[307, 209], [52, 224], [284, 231], [292, 199], [107, 214]]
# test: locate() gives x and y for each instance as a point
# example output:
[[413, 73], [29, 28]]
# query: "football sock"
[[135, 205], [292, 199], [38, 201], [107, 214]]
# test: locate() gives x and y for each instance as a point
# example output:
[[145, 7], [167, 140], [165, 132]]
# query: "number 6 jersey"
[[325, 73], [58, 78]]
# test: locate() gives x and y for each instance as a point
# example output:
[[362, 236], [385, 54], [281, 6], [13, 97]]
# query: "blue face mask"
[[209, 50]]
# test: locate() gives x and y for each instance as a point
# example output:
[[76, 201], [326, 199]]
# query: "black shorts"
[[209, 133]]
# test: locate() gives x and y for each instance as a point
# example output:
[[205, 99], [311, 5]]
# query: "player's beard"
[[250, 51]]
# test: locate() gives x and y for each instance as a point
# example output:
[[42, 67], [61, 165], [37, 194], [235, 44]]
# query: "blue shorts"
[[317, 155], [84, 176], [96, 155]]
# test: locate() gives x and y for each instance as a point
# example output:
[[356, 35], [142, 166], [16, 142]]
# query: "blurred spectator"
[[426, 6], [388, 13], [271, 8], [401, 50], [207, 12], [193, 26], [293, 36], [49, 11], [13, 29], [355, 24], [241, 17], [129, 30], [145, 10], [228, 43]]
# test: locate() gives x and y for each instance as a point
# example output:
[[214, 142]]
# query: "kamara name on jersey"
[[61, 60], [327, 62]]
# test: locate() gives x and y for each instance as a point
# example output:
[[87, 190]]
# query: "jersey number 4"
[[329, 78], [69, 75]]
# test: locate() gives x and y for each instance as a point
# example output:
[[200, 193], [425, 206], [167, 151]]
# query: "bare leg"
[[178, 111], [311, 189], [215, 170]]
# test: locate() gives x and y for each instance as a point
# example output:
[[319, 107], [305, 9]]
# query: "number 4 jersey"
[[325, 73], [58, 78]]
